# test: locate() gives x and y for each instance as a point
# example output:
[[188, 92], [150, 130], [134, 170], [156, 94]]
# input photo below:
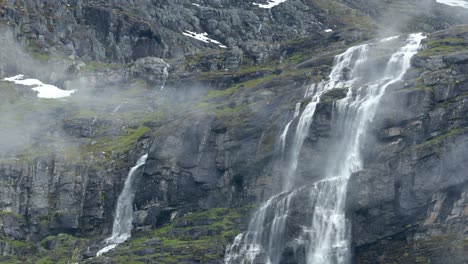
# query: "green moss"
[[36, 51], [297, 58], [449, 134], [452, 100], [222, 93], [182, 240], [231, 90], [346, 16], [256, 69], [11, 260], [255, 82], [121, 143], [66, 250], [11, 214], [15, 243], [334, 94], [422, 260], [443, 46]]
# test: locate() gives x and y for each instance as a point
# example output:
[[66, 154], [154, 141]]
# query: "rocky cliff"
[[210, 118]]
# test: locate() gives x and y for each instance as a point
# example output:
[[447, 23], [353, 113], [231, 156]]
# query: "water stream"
[[122, 227], [326, 237]]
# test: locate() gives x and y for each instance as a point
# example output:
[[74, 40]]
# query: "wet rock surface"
[[212, 145]]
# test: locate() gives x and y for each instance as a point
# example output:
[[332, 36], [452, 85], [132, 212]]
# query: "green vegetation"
[[449, 134], [93, 66], [200, 236], [453, 100], [443, 46], [334, 94], [231, 90], [121, 143], [346, 16], [60, 249], [10, 214], [36, 51]]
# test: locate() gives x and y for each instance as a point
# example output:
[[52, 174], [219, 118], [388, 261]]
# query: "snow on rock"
[[203, 37], [44, 90], [328, 30], [271, 4], [461, 3]]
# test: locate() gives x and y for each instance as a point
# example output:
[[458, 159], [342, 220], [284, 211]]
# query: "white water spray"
[[122, 227], [327, 237], [164, 78], [330, 235]]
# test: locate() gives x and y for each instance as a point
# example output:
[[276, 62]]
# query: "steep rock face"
[[220, 150], [61, 198], [415, 181], [122, 31], [218, 157]]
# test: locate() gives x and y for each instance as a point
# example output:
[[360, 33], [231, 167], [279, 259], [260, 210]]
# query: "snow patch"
[[44, 90], [461, 3], [195, 4], [203, 37], [271, 4], [328, 30]]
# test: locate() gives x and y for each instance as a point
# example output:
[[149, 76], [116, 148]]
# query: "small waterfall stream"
[[327, 236], [122, 227], [164, 78]]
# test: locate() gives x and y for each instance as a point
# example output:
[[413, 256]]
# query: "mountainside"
[[210, 111]]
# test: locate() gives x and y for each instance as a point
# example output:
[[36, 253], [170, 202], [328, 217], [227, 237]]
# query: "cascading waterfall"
[[122, 227], [327, 236]]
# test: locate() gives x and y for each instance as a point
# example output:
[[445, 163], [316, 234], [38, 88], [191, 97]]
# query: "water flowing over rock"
[[326, 237], [270, 111], [122, 227]]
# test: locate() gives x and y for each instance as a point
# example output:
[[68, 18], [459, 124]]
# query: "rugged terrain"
[[212, 132]]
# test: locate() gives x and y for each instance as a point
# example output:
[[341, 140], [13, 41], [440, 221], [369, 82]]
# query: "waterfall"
[[327, 235], [164, 78], [329, 239], [297, 111], [122, 227]]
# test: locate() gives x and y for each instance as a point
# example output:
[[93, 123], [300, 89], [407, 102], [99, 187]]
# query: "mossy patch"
[[231, 90], [121, 143], [93, 66], [334, 94], [439, 47], [440, 138], [199, 237]]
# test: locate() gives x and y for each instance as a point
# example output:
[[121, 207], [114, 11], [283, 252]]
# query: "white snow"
[[461, 3], [328, 30], [44, 90], [195, 4], [271, 4], [203, 37]]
